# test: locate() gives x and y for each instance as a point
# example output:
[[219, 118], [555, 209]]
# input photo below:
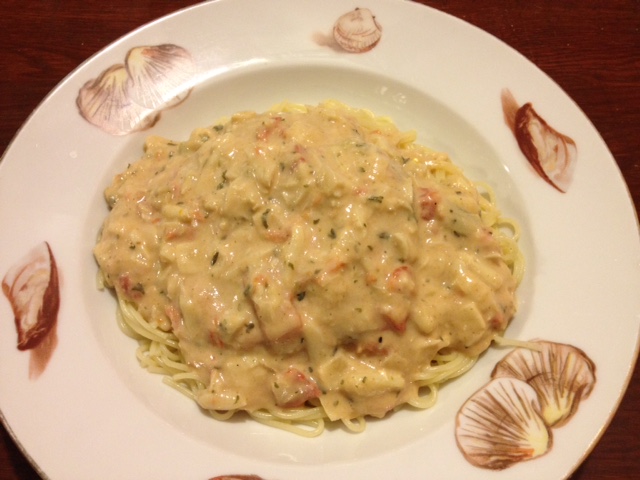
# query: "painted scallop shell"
[[32, 288], [551, 154], [357, 31], [501, 425], [129, 97], [562, 375], [157, 75], [106, 103]]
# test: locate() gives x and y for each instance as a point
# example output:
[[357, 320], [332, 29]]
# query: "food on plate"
[[309, 263], [562, 375]]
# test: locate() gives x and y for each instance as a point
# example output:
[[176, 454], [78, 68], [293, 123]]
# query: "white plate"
[[94, 413]]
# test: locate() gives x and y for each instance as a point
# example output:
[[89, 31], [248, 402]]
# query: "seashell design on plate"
[[33, 289], [237, 477], [357, 31], [501, 425], [537, 385], [129, 97], [105, 102], [562, 375], [551, 154], [157, 75]]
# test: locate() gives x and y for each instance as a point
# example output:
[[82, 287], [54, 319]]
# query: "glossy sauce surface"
[[307, 254]]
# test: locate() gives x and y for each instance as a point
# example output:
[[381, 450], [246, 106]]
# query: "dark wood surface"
[[591, 49]]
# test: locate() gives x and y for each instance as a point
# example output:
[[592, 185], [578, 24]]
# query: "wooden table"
[[591, 49]]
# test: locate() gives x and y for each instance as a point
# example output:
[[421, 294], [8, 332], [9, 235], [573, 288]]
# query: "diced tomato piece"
[[399, 324], [428, 200], [401, 280], [134, 291]]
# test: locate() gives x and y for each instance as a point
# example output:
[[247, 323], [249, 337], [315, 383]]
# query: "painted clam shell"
[[129, 97], [552, 154], [32, 288], [357, 31], [157, 75], [105, 102], [562, 375], [501, 425]]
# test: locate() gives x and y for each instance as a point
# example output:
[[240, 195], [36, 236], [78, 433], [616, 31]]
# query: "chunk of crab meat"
[[395, 313], [274, 309], [219, 396], [562, 375], [221, 401], [293, 388], [399, 289], [32, 288], [501, 425]]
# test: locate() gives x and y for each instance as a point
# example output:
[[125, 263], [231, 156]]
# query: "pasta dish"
[[305, 265]]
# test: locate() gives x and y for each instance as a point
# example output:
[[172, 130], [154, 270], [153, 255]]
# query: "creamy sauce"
[[306, 255]]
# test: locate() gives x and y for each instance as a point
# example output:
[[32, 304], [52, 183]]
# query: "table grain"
[[591, 49]]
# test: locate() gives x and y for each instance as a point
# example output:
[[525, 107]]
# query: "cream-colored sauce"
[[306, 255]]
